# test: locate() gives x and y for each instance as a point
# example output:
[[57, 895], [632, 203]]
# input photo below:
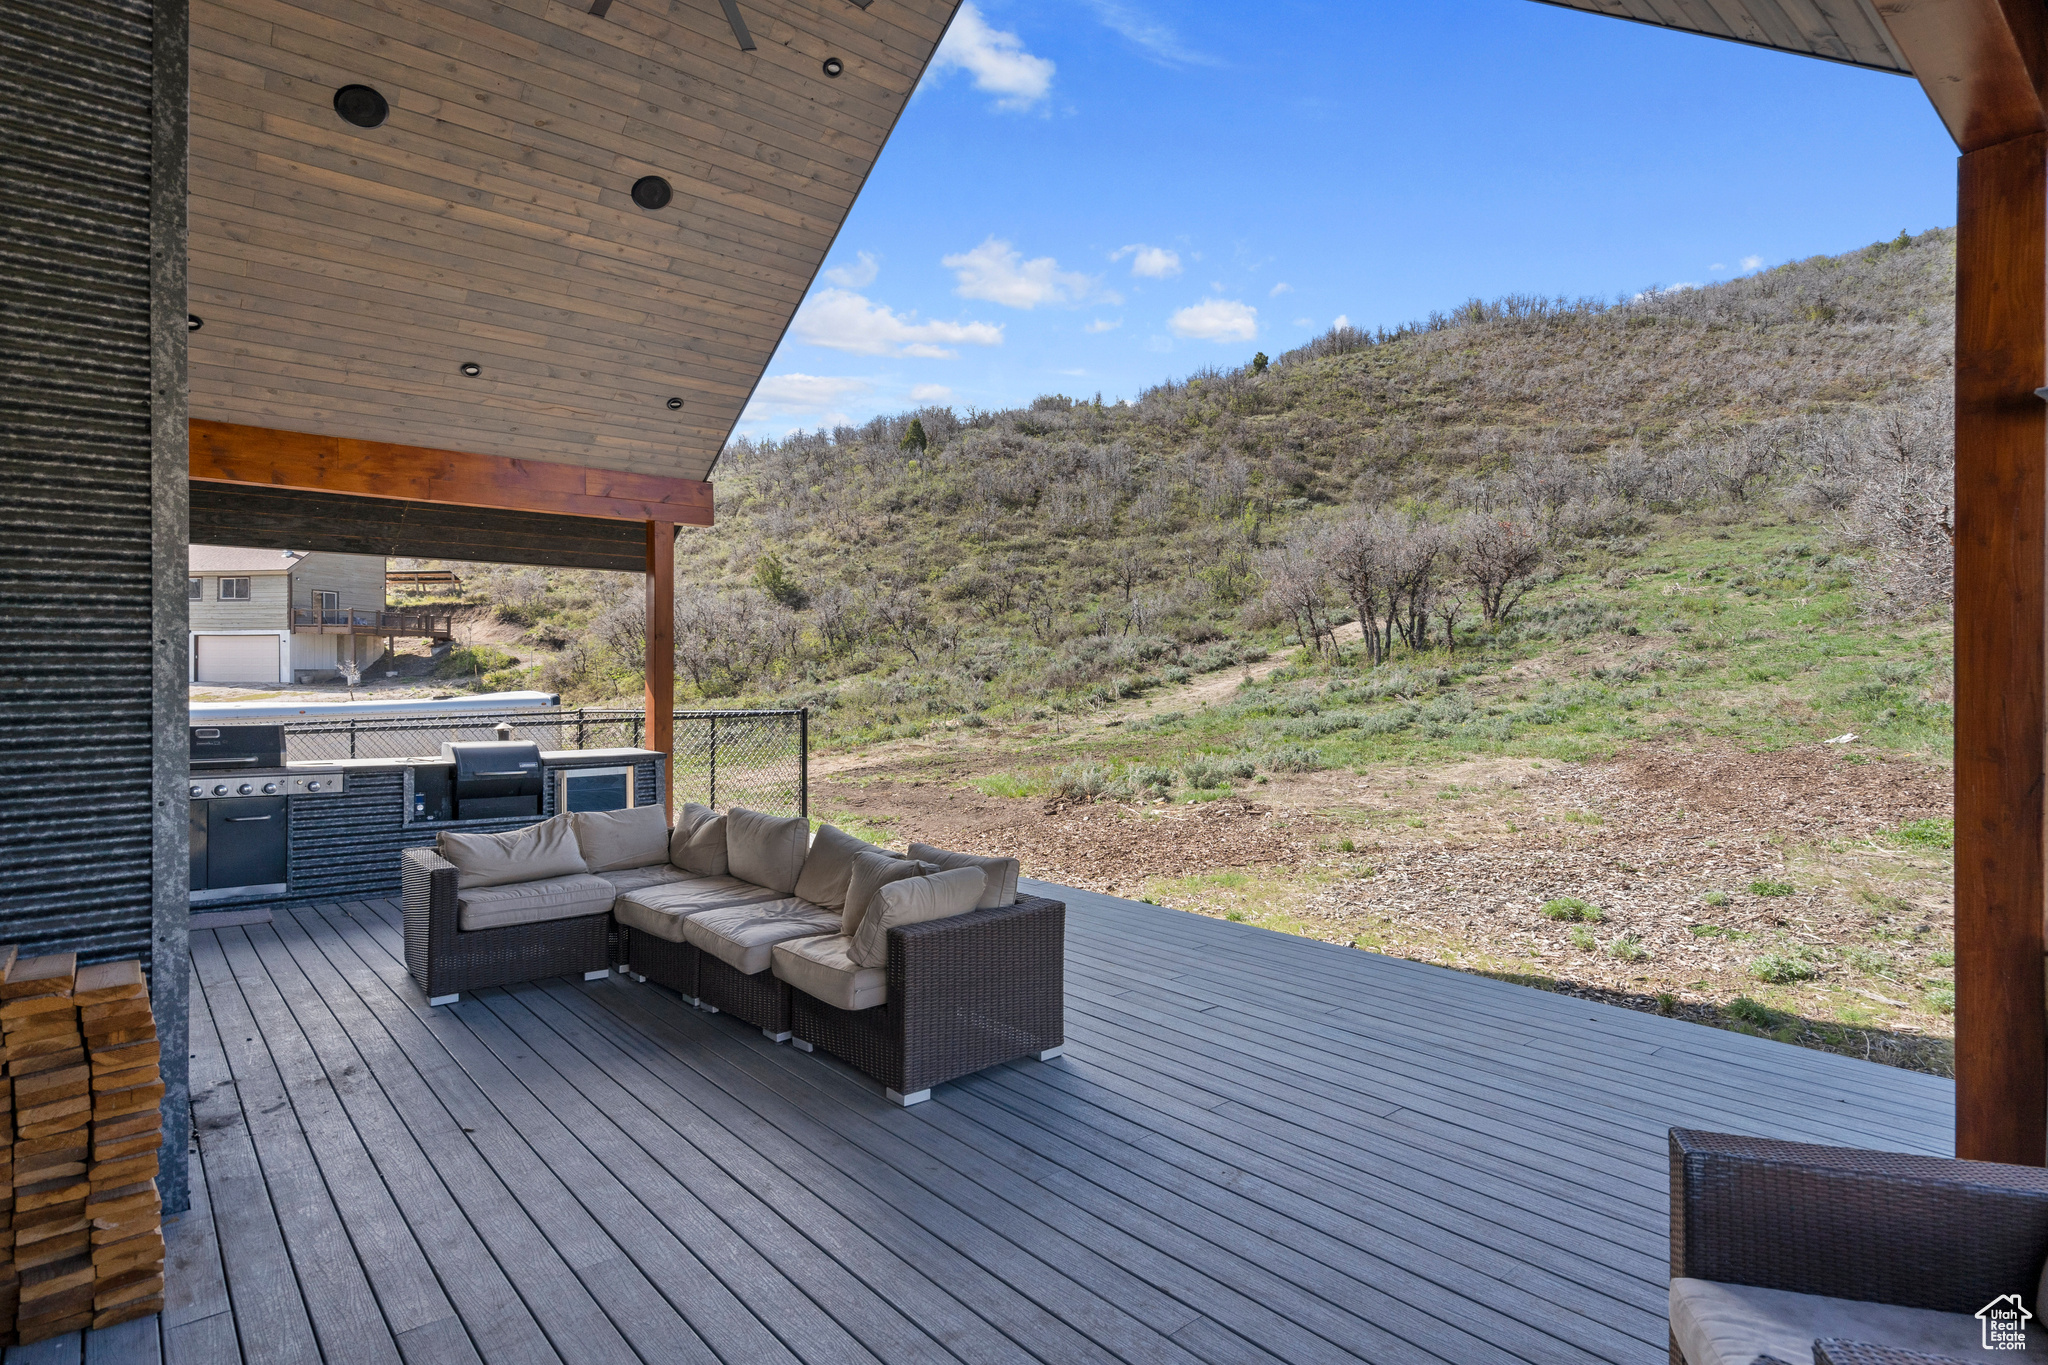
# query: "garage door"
[[238, 658]]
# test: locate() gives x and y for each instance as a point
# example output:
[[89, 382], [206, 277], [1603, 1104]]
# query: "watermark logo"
[[2005, 1321]]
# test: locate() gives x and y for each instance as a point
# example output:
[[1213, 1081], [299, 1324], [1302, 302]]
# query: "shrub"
[[1714, 898], [1293, 758], [1572, 908], [1771, 888], [1582, 938], [1082, 783], [1628, 948], [1208, 773], [1780, 968]]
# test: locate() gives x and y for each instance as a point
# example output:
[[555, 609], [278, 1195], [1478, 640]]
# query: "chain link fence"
[[756, 759]]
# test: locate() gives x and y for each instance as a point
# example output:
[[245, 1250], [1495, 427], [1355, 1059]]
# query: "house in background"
[[283, 616]]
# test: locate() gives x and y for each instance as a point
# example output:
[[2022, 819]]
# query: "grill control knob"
[[246, 789], [220, 789], [198, 790], [313, 785], [270, 789]]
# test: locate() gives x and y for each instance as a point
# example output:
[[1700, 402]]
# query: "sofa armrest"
[[980, 988], [1887, 1227], [428, 886]]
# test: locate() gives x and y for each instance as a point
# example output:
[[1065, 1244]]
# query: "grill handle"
[[515, 772], [246, 819], [241, 762]]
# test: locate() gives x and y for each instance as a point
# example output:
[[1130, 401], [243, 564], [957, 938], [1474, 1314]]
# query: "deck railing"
[[756, 759], [374, 621]]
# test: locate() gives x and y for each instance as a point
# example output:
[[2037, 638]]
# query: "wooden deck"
[[1258, 1148]]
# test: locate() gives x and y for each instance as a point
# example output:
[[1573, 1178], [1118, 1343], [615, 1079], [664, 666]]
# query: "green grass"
[[1582, 937], [1771, 888], [1627, 948], [1714, 898], [1925, 836], [1007, 784], [1572, 908]]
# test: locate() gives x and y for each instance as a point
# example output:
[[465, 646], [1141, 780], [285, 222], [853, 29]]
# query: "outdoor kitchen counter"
[[346, 846]]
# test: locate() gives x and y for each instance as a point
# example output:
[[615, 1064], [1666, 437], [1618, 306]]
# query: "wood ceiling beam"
[[223, 452], [1983, 63]]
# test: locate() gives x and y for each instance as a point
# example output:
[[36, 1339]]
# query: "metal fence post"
[[714, 762], [351, 739], [580, 741], [803, 763]]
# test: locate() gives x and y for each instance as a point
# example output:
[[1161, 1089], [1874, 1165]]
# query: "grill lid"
[[231, 748], [504, 767]]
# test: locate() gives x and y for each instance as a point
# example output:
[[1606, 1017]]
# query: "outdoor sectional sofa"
[[914, 970], [1787, 1252]]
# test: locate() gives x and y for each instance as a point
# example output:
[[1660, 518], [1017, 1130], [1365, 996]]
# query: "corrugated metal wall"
[[75, 570]]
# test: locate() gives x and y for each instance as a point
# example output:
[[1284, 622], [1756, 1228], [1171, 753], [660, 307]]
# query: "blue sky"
[[1092, 195]]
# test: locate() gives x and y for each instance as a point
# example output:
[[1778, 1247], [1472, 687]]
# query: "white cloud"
[[804, 399], [1718, 265], [1752, 262], [1216, 320], [846, 321], [1075, 374], [930, 393], [862, 272], [1281, 288], [1341, 320], [1155, 37], [997, 60], [996, 272], [1304, 322], [1101, 325], [1150, 262]]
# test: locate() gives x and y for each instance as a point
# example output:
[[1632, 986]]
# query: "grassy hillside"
[[1117, 640]]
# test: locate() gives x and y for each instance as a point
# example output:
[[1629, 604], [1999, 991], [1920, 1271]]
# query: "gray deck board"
[[1258, 1149]]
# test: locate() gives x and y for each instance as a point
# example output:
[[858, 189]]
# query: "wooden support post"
[[661, 651], [2001, 708]]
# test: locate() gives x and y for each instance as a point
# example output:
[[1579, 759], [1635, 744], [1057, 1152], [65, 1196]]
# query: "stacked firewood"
[[84, 1222]]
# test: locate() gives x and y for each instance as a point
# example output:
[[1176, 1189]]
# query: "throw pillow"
[[829, 866], [872, 871], [698, 843], [614, 839], [1001, 872], [766, 850], [533, 854], [913, 901]]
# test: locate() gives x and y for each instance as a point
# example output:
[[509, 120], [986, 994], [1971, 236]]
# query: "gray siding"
[[269, 595], [358, 578]]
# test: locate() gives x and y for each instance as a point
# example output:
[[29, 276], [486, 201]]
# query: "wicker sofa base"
[[661, 961], [761, 999]]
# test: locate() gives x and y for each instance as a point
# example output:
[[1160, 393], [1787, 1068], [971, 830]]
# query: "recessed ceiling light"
[[360, 105], [833, 66], [193, 322], [652, 192], [675, 405], [471, 368]]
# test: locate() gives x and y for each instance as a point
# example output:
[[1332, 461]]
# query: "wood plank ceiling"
[[1835, 30], [344, 275]]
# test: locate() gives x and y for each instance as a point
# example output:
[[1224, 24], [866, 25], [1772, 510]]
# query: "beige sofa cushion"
[[698, 842], [913, 900], [1732, 1324], [660, 910], [744, 936], [536, 853], [829, 866], [615, 839], [640, 878], [1000, 872], [823, 968], [767, 850], [872, 871], [496, 907]]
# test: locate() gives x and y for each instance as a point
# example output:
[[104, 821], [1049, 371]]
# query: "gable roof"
[[1847, 31], [235, 560]]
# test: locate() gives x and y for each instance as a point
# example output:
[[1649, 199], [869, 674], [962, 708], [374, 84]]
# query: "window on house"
[[195, 588], [234, 590], [329, 605]]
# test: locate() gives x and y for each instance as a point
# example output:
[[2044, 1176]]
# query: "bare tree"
[[1902, 517], [1499, 555], [1359, 555], [903, 613], [1298, 589]]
